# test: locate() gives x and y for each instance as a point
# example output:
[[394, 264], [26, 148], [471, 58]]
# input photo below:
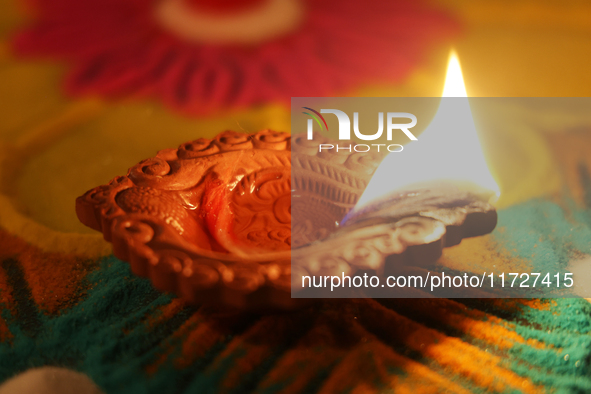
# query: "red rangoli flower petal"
[[118, 48]]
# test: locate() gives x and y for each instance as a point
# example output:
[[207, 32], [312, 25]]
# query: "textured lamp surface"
[[212, 220], [401, 233]]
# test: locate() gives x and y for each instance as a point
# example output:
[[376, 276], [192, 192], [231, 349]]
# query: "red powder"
[[6, 302], [55, 280]]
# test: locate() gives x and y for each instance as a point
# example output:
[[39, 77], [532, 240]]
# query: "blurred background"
[[89, 88]]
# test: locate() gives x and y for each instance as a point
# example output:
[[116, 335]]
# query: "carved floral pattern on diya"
[[202, 55], [211, 220]]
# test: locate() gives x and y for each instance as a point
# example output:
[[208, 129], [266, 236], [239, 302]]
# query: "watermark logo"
[[392, 124], [316, 116]]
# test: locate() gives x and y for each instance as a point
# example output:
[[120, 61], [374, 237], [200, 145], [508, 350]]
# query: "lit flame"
[[454, 80], [448, 150]]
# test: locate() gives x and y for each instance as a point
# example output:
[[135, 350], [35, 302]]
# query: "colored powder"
[[100, 335], [481, 254], [545, 234], [54, 280], [6, 304], [549, 235], [130, 338]]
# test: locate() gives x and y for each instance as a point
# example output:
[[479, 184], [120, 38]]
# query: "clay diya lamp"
[[211, 220], [402, 233]]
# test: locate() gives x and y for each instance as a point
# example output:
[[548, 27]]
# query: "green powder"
[[549, 236]]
